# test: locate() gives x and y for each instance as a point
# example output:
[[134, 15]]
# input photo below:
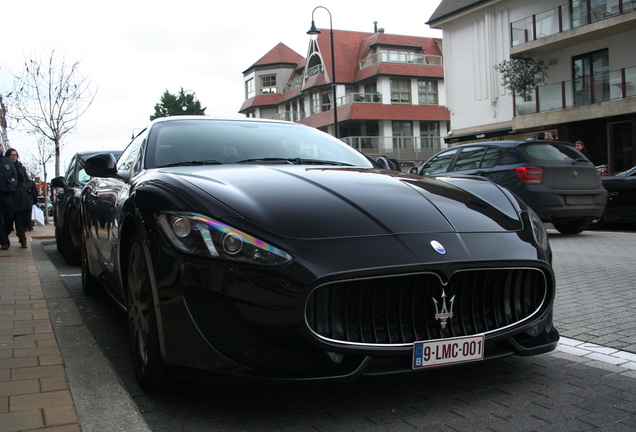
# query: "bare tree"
[[50, 95], [45, 152]]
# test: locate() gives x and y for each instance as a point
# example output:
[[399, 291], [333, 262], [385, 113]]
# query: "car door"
[[105, 198]]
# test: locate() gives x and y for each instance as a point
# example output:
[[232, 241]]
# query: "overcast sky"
[[135, 50]]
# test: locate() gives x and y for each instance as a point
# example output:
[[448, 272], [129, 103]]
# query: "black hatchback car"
[[66, 210], [556, 180]]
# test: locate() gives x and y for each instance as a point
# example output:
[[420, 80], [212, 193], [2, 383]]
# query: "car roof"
[[94, 152], [207, 118], [511, 143]]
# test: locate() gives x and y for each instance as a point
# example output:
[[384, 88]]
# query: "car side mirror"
[[101, 165], [413, 170], [59, 182]]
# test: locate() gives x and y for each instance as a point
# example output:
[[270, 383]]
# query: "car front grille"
[[402, 309]]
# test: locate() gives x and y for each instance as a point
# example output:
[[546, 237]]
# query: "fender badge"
[[438, 247]]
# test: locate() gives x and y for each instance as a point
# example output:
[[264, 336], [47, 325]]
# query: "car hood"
[[301, 202]]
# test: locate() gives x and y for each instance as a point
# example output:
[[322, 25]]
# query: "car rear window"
[[550, 152]]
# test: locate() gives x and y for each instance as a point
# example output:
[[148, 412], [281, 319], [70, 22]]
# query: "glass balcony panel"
[[629, 5], [547, 23], [550, 97], [578, 13], [522, 31], [582, 91], [525, 104], [601, 87], [630, 82], [615, 82]]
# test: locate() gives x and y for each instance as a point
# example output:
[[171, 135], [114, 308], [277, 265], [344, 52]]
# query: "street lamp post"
[[314, 32], [184, 104]]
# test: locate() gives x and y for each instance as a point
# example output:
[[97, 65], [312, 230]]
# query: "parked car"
[[42, 204], [66, 210], [270, 249], [553, 178], [621, 196]]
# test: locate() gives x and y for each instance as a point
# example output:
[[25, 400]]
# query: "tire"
[[572, 227], [68, 248], [90, 285], [150, 369]]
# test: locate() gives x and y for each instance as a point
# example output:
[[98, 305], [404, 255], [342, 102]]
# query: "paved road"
[[554, 392]]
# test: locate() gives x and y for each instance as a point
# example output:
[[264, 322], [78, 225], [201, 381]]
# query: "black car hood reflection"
[[318, 203]]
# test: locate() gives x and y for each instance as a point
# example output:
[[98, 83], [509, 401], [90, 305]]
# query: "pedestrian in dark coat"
[[8, 184], [21, 201]]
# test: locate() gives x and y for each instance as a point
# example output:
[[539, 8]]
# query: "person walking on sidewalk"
[[21, 201], [8, 184]]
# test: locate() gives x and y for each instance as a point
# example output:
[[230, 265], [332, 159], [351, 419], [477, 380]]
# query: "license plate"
[[448, 351], [579, 199]]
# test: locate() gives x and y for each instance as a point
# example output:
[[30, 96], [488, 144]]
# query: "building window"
[[591, 77], [429, 134], [398, 55], [268, 84], [402, 134], [249, 88], [401, 91], [315, 103], [427, 92], [326, 100]]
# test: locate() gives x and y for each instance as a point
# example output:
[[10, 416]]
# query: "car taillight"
[[530, 175]]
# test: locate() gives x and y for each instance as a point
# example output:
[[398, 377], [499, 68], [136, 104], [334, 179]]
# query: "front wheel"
[[572, 227], [150, 369]]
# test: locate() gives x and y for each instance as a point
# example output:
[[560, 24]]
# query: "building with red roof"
[[389, 91]]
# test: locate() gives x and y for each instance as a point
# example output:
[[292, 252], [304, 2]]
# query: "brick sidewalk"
[[34, 390]]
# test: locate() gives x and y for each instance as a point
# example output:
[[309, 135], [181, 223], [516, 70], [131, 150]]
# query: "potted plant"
[[521, 75]]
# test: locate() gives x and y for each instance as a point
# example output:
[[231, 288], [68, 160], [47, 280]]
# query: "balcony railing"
[[352, 98], [402, 58], [296, 82], [597, 88], [571, 15], [292, 116], [316, 70], [400, 148]]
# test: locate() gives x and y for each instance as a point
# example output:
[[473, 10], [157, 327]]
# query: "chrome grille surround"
[[397, 310]]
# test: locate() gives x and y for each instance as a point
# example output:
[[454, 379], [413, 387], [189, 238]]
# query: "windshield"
[[214, 142]]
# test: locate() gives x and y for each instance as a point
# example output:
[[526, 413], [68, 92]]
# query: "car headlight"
[[538, 230], [200, 235]]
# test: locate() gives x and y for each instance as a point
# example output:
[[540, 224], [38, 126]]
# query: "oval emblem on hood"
[[438, 247]]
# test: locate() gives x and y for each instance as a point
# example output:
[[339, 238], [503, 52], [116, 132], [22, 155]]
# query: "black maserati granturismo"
[[269, 249]]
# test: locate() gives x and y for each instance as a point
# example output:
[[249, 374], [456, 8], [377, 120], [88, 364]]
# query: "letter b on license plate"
[[448, 351]]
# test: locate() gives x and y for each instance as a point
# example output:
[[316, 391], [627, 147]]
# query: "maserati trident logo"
[[438, 247], [444, 313]]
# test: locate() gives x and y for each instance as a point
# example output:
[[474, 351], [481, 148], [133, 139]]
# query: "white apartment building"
[[590, 91]]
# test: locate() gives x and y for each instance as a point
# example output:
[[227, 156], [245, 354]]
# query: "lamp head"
[[313, 31]]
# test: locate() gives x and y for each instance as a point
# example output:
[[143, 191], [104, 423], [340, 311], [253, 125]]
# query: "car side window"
[[491, 157], [469, 158], [439, 163]]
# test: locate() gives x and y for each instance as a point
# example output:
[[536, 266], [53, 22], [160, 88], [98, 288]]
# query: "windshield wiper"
[[192, 163], [297, 161]]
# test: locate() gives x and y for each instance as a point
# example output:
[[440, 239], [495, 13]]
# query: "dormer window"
[[268, 84]]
